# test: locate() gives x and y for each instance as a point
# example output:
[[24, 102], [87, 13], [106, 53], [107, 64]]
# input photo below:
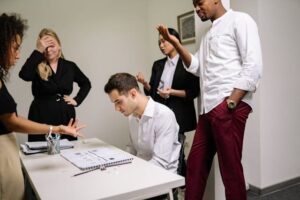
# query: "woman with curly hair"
[[11, 182]]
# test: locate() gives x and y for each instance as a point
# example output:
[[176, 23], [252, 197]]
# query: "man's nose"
[[117, 108]]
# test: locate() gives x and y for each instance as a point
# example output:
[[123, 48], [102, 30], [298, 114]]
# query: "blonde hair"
[[43, 68]]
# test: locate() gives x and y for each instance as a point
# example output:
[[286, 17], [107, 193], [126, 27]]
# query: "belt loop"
[[59, 97]]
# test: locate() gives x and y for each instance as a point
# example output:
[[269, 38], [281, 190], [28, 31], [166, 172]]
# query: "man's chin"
[[203, 19]]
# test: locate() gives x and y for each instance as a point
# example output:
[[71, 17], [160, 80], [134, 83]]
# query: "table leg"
[[171, 195]]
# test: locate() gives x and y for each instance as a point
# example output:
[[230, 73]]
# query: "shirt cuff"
[[194, 66], [246, 85]]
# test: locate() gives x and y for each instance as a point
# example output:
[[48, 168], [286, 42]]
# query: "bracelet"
[[50, 136], [50, 130]]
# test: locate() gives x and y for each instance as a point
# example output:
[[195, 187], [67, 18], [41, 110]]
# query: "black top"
[[7, 105], [48, 105], [183, 108]]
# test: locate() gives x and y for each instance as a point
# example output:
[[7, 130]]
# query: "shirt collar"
[[149, 110], [173, 61], [223, 17]]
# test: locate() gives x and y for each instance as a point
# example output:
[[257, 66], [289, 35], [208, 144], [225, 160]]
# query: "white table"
[[51, 177]]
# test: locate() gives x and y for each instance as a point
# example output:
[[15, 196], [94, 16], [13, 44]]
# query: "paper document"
[[97, 158]]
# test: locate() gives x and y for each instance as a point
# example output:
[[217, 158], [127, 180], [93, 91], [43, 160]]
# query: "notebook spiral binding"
[[99, 158]]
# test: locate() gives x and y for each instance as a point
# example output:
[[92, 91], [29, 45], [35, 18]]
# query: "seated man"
[[153, 126]]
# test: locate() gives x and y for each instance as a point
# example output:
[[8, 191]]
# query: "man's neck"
[[219, 13], [172, 54], [142, 103]]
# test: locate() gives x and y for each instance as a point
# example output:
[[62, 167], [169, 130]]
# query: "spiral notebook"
[[101, 157]]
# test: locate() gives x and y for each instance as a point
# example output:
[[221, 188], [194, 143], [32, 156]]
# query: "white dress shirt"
[[154, 136], [168, 72], [229, 57]]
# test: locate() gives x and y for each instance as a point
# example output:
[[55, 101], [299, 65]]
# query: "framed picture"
[[186, 27]]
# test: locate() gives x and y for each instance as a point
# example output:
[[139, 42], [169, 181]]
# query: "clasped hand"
[[140, 78], [164, 93]]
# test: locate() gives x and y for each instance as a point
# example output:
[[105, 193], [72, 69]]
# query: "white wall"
[[102, 37], [252, 138], [280, 94], [164, 12], [271, 152]]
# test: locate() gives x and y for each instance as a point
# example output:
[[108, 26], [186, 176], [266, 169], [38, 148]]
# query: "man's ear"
[[133, 92]]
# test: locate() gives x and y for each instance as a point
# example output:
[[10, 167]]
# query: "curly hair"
[[10, 26]]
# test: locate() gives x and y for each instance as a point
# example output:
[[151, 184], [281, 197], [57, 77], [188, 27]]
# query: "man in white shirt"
[[229, 65], [153, 126]]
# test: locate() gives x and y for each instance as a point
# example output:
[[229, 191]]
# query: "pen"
[[87, 171]]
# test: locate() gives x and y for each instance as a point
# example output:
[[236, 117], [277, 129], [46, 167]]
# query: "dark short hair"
[[195, 2], [175, 33], [10, 26], [122, 82]]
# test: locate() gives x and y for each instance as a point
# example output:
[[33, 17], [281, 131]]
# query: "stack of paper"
[[40, 147]]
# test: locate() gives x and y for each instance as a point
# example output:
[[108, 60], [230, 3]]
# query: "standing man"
[[229, 65], [153, 126]]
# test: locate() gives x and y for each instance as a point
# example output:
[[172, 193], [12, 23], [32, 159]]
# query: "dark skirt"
[[52, 111]]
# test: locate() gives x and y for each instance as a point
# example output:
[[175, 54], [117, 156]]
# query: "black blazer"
[[48, 106], [183, 108]]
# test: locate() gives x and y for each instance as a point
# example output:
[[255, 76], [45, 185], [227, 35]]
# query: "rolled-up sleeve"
[[251, 57], [194, 67]]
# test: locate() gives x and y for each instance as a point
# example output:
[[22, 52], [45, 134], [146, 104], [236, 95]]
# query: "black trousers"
[[182, 163]]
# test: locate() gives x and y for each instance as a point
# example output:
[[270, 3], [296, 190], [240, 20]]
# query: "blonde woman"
[[52, 80], [11, 178]]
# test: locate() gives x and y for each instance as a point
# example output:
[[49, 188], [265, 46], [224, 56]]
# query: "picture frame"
[[186, 27]]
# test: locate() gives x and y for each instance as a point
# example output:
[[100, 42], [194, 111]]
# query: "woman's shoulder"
[[69, 62], [8, 104], [3, 89], [158, 64], [162, 60]]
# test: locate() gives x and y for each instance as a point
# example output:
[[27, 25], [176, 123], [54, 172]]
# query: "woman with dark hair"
[[11, 182], [172, 85], [52, 79]]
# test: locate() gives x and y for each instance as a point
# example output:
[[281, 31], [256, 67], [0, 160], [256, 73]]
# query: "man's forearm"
[[183, 53], [237, 95]]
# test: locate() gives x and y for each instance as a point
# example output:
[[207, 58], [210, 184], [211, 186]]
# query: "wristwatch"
[[231, 104]]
